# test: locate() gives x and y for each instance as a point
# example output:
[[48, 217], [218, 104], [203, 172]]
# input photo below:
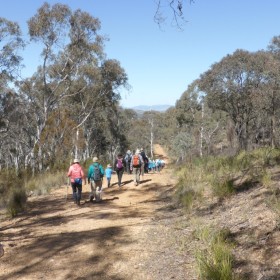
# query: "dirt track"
[[56, 239]]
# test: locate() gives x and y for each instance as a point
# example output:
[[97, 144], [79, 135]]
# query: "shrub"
[[223, 188], [12, 191], [189, 187], [215, 260], [16, 201]]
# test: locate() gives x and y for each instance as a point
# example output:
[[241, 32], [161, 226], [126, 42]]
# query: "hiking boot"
[[78, 202]]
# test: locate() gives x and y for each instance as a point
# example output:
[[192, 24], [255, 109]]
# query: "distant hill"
[[159, 108]]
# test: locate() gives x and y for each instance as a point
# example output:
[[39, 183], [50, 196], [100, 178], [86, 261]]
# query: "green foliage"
[[189, 187], [12, 192], [264, 157], [14, 188], [181, 145], [222, 187], [215, 260], [225, 175], [16, 200], [266, 179]]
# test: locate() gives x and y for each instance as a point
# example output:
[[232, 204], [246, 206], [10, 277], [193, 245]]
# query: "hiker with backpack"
[[127, 158], [95, 178], [145, 160], [76, 175], [119, 168], [136, 166]]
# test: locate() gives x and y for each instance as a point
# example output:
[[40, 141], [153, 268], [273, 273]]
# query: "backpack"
[[136, 161], [78, 181], [128, 157], [96, 173], [119, 164]]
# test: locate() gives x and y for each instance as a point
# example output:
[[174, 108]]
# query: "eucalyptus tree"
[[10, 43], [188, 110], [272, 89], [13, 136], [166, 127], [232, 85], [150, 134], [74, 76], [10, 116], [188, 105], [130, 117], [116, 131], [265, 99], [97, 104]]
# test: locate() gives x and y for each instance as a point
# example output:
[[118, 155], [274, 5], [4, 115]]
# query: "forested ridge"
[[225, 125], [70, 106]]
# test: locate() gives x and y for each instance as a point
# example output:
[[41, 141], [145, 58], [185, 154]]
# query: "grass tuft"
[[215, 260]]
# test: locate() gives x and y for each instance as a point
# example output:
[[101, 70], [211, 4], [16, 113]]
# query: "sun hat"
[[109, 165], [95, 159], [76, 160], [137, 151]]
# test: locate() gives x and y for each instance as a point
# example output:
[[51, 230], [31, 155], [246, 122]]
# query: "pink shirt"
[[75, 171]]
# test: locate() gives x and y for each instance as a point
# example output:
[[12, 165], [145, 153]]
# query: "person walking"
[[76, 175], [136, 166], [95, 178], [108, 173], [119, 168], [145, 161], [128, 158]]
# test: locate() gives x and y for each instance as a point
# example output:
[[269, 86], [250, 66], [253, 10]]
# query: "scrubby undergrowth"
[[238, 194]]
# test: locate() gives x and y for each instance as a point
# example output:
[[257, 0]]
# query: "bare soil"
[[136, 233], [113, 239]]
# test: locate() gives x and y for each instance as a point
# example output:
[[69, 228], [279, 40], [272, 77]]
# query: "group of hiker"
[[154, 165], [133, 163]]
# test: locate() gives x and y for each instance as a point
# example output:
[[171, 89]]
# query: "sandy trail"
[[55, 239]]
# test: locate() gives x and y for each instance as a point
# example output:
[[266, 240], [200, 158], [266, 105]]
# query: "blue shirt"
[[108, 172]]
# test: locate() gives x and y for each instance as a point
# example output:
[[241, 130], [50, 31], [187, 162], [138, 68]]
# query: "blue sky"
[[162, 62]]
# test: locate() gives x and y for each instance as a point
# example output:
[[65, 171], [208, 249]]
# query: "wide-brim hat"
[[137, 151], [109, 165], [95, 159], [76, 160]]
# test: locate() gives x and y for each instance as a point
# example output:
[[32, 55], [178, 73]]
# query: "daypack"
[[96, 173], [119, 164], [78, 181], [136, 161], [128, 157]]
